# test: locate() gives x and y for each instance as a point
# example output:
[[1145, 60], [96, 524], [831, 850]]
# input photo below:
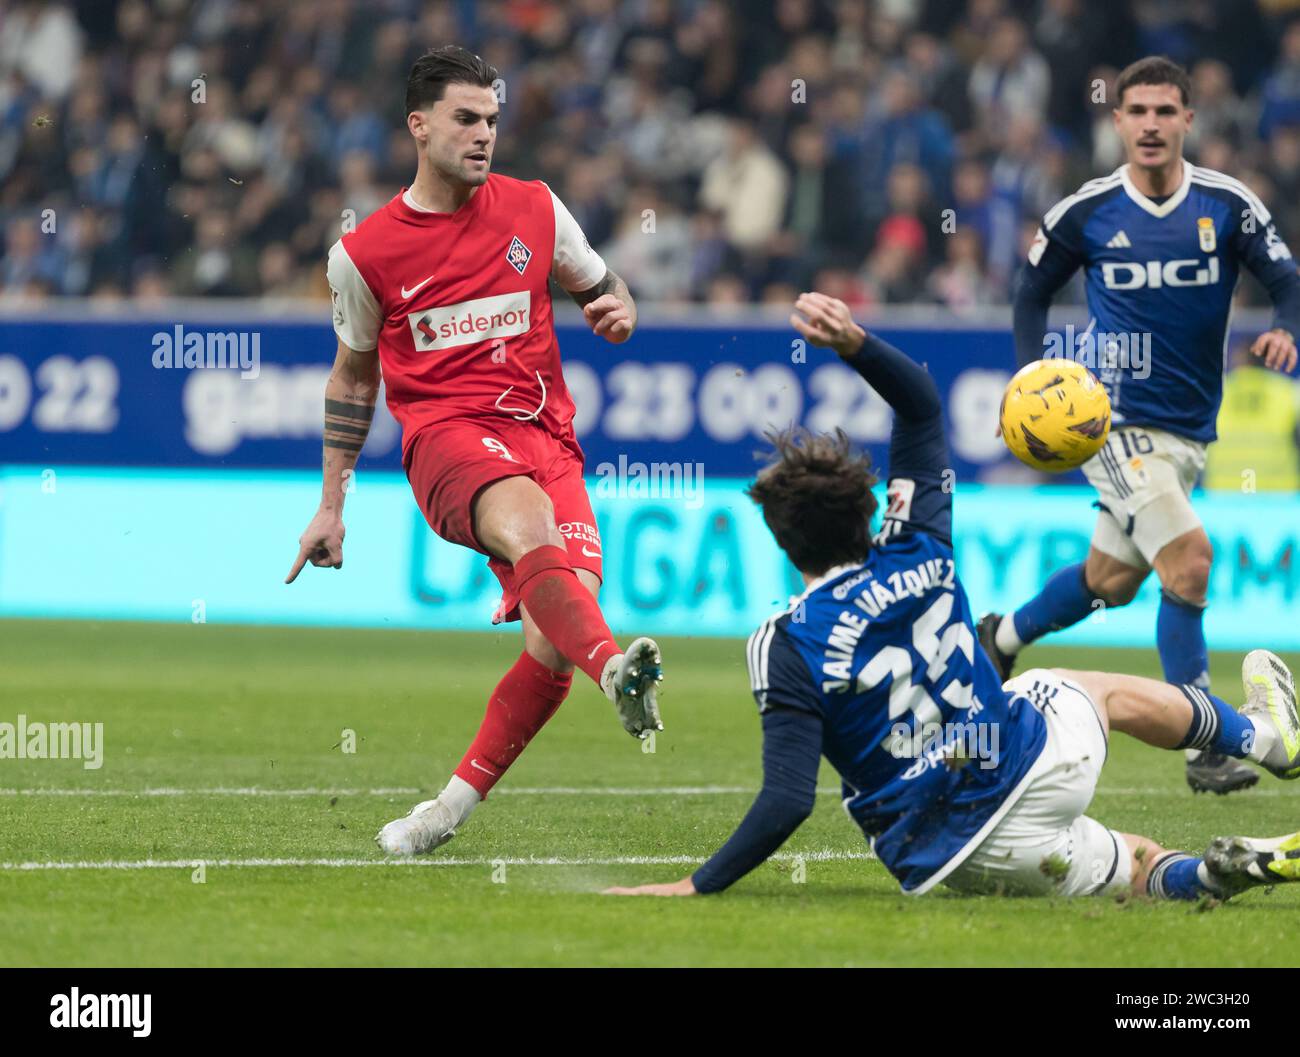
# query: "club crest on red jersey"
[[518, 255]]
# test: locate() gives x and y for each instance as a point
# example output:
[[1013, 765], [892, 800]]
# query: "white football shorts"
[[1045, 845], [1144, 477]]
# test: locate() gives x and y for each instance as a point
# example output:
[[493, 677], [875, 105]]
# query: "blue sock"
[[1177, 875], [1063, 601], [1180, 639], [1216, 725]]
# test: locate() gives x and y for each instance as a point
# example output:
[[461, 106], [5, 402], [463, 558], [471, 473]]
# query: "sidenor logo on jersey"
[[1132, 275], [471, 322]]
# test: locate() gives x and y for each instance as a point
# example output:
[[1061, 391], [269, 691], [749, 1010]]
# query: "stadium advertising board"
[[245, 393], [680, 556]]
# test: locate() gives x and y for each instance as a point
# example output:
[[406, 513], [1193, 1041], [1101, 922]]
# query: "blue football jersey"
[[1160, 277], [885, 653]]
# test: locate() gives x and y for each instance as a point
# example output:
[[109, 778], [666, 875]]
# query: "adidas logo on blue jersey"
[[1119, 242]]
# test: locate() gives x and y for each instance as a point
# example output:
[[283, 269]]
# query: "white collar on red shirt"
[[409, 199]]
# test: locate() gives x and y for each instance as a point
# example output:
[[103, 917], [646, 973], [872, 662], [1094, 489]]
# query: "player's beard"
[[461, 170], [476, 176]]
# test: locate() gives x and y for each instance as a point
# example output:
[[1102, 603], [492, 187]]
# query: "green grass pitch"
[[209, 714]]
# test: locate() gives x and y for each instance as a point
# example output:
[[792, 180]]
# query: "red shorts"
[[450, 463]]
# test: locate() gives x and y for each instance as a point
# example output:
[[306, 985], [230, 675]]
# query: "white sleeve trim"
[[1091, 189], [575, 265], [1211, 178], [357, 317]]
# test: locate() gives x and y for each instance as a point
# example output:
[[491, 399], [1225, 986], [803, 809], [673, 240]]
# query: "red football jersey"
[[459, 305]]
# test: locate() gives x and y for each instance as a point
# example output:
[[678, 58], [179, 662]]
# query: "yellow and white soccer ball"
[[1055, 415]]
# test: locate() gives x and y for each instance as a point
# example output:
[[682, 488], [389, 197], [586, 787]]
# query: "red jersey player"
[[445, 289]]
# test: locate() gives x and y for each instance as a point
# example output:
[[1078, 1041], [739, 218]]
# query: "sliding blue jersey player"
[[1161, 243], [953, 777]]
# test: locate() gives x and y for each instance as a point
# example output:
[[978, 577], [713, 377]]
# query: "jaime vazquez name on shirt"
[[872, 600]]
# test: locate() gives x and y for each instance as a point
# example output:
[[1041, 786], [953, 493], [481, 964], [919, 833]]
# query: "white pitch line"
[[215, 791], [618, 860], [667, 790], [557, 790], [560, 790], [1183, 791]]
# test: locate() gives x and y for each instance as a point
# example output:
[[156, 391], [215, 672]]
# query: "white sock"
[[1006, 638], [609, 674], [461, 797], [1265, 737], [1207, 879]]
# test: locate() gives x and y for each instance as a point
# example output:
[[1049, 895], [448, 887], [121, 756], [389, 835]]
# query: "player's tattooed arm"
[[608, 308], [350, 396]]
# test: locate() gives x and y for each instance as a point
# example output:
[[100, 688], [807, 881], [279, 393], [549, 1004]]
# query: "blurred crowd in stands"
[[715, 151]]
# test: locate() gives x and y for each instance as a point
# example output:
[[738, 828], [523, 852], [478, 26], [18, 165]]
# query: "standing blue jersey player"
[[1161, 242], [954, 777]]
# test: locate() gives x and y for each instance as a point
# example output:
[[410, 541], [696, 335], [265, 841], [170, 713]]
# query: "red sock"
[[565, 610], [527, 696]]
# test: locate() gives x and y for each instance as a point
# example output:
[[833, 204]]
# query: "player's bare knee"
[[538, 531], [1184, 567], [1114, 582], [514, 517], [1116, 587], [1190, 582], [537, 526]]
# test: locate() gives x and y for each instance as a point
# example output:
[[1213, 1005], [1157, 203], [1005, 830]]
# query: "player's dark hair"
[[1154, 69], [816, 497], [436, 69]]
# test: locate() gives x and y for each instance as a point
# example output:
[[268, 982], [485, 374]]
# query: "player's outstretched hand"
[[1277, 348], [321, 544], [827, 321], [609, 318], [684, 887]]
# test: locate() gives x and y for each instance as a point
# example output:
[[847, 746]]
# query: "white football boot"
[[1271, 708], [631, 681], [427, 826]]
